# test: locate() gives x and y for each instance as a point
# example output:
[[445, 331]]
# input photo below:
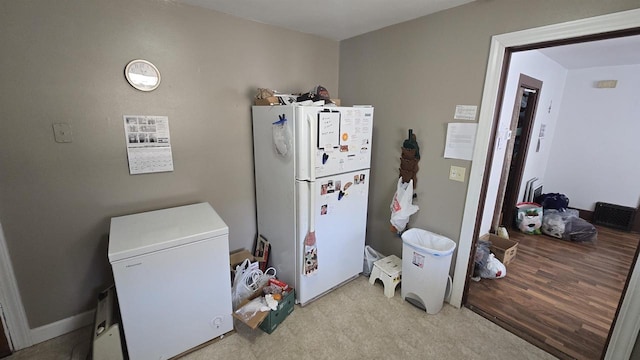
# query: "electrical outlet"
[[62, 133], [456, 173]]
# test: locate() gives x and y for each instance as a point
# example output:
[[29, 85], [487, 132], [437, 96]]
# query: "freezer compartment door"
[[340, 211], [332, 140]]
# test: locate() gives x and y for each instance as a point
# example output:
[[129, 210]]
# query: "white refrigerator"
[[171, 271], [312, 183]]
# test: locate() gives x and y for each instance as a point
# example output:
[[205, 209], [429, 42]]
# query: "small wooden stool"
[[389, 271]]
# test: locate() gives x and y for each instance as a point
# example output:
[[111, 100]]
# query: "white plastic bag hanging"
[[281, 136], [401, 205]]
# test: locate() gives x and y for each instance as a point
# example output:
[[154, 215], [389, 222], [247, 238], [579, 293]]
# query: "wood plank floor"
[[559, 295]]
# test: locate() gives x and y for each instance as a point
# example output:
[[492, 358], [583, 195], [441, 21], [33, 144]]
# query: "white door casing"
[[16, 319], [628, 320]]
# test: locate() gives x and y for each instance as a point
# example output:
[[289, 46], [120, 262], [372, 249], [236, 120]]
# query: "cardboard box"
[[257, 318], [236, 258], [504, 249], [275, 317], [271, 100]]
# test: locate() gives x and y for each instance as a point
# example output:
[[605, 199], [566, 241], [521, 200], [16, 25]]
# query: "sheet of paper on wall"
[[148, 144], [461, 138], [465, 112]]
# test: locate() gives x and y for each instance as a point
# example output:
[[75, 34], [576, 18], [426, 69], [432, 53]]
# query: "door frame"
[[627, 323], [17, 326]]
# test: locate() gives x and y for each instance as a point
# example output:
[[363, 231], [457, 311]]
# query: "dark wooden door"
[[5, 350]]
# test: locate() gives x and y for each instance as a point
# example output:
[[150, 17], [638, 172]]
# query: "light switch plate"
[[457, 173], [62, 133]]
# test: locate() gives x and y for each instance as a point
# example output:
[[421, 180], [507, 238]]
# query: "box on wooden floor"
[[504, 249]]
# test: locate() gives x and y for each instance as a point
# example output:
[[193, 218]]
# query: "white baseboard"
[[61, 327]]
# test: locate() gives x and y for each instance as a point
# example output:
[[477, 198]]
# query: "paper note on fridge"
[[328, 129], [461, 138]]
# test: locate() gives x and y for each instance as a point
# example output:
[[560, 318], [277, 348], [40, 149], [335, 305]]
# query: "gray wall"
[[415, 73], [63, 61]]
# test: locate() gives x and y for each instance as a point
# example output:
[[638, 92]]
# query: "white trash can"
[[426, 259]]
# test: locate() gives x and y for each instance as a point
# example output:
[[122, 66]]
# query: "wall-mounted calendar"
[[148, 144]]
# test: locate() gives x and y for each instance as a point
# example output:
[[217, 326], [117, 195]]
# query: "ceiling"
[[610, 52], [343, 19], [332, 19]]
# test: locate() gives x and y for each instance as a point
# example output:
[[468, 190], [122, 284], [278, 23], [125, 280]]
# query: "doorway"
[[624, 330], [520, 128], [5, 349]]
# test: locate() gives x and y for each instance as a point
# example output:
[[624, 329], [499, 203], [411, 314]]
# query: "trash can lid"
[[426, 241]]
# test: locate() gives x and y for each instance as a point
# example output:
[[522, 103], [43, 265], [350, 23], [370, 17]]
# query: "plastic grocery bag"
[[281, 136], [370, 256], [239, 289], [494, 269], [401, 205]]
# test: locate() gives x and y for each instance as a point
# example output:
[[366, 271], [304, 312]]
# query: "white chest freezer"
[[171, 271]]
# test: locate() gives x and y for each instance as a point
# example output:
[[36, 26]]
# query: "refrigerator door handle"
[[312, 148], [312, 173]]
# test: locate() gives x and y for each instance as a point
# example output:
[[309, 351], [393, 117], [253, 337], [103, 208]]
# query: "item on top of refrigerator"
[[264, 93], [318, 93], [321, 92], [272, 97], [266, 97]]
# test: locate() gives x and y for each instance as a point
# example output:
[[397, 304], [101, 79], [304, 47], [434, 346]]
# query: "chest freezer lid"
[[143, 233]]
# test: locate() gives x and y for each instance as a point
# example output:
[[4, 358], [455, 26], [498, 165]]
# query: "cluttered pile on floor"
[[549, 214], [259, 299]]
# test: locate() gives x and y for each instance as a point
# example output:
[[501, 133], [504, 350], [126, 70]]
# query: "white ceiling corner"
[[342, 19], [332, 19], [610, 52]]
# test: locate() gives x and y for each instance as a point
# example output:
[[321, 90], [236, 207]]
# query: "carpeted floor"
[[355, 321]]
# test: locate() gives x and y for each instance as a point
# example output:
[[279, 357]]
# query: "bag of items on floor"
[[248, 280], [370, 256], [553, 201], [567, 225], [529, 217], [486, 265]]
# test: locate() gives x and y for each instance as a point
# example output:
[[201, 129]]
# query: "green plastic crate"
[[275, 317]]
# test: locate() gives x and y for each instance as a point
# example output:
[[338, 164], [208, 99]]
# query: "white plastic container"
[[426, 259]]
